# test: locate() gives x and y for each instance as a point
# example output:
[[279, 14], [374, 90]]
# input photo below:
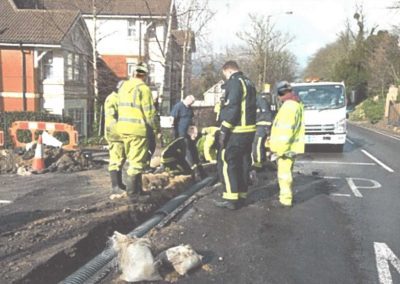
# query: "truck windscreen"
[[321, 97]]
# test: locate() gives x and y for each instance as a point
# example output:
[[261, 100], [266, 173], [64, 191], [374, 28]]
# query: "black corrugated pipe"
[[101, 264]]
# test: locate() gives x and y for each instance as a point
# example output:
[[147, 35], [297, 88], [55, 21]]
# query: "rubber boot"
[[202, 172], [131, 187], [114, 183], [121, 184]]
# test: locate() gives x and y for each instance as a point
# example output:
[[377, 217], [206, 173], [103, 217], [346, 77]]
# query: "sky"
[[313, 23]]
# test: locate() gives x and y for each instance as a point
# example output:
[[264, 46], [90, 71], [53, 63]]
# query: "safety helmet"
[[141, 67], [283, 87]]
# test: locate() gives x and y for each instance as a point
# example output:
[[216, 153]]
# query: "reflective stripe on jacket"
[[136, 111], [111, 116], [287, 133], [238, 114]]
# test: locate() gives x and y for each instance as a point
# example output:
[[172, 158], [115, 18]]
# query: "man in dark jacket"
[[263, 127], [183, 118], [238, 126]]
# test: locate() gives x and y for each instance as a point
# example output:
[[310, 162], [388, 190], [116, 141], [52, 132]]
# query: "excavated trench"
[[71, 258]]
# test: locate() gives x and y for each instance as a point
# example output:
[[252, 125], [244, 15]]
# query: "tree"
[[265, 51], [194, 17]]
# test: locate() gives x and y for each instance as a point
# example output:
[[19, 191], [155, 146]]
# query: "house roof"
[[113, 7], [180, 36], [30, 26]]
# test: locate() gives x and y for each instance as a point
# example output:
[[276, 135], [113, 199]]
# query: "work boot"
[[228, 204], [115, 189], [202, 172], [277, 204], [121, 184], [134, 186]]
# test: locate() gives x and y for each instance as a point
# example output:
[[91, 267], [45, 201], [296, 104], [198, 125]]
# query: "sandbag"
[[183, 258], [135, 259]]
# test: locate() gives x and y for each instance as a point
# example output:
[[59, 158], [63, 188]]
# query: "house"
[[212, 96], [127, 32], [44, 62]]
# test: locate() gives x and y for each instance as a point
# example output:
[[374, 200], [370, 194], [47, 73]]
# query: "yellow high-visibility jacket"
[[209, 149], [287, 133], [111, 117], [136, 110]]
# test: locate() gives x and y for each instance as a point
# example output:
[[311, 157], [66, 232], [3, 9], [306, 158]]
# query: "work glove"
[[223, 138]]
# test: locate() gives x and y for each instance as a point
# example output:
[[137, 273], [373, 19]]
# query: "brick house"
[[44, 59], [131, 31]]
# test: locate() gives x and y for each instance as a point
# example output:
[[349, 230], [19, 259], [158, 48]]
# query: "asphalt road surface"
[[344, 227]]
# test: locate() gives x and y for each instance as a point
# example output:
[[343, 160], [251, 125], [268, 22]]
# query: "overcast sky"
[[314, 23]]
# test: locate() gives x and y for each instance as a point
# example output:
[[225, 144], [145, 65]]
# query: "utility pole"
[[95, 77]]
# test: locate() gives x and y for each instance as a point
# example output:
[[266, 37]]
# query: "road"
[[344, 227]]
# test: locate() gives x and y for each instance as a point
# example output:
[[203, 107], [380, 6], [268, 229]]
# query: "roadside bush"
[[374, 110], [7, 118]]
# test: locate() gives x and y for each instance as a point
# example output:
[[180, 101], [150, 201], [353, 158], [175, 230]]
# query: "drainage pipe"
[[101, 264]]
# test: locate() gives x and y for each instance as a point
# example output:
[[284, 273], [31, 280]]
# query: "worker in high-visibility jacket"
[[207, 145], [287, 140], [136, 116], [238, 126], [263, 127], [115, 143]]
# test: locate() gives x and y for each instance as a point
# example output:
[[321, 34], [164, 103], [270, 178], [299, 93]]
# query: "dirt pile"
[[56, 160]]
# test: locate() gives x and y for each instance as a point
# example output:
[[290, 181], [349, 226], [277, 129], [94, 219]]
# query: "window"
[[76, 68], [47, 66], [132, 29], [131, 68]]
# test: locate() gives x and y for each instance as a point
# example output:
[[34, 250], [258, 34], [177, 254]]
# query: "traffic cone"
[[38, 160]]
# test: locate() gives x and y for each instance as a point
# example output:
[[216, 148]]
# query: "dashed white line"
[[328, 177], [336, 163], [340, 194], [351, 142], [377, 161], [5, 201]]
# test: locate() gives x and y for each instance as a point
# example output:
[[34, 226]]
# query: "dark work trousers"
[[258, 149], [174, 158], [234, 162]]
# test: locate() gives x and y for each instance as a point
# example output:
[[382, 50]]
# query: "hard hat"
[[283, 87], [141, 67], [267, 88]]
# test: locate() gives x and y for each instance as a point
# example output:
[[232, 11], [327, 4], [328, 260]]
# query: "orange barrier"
[[50, 127], [1, 138]]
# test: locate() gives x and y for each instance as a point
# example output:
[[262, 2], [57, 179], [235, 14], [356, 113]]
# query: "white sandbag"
[[134, 258], [183, 258], [50, 140]]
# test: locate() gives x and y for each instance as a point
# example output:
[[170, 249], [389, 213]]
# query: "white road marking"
[[5, 201], [336, 163], [384, 255], [354, 188], [379, 132], [328, 177], [351, 142], [340, 194], [377, 161]]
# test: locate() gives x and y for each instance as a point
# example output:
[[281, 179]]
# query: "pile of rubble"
[[56, 160]]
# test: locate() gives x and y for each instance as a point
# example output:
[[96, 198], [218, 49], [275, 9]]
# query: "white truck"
[[324, 112]]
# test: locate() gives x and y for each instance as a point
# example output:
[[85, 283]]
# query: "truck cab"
[[324, 112]]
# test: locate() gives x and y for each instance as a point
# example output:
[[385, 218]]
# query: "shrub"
[[374, 110]]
